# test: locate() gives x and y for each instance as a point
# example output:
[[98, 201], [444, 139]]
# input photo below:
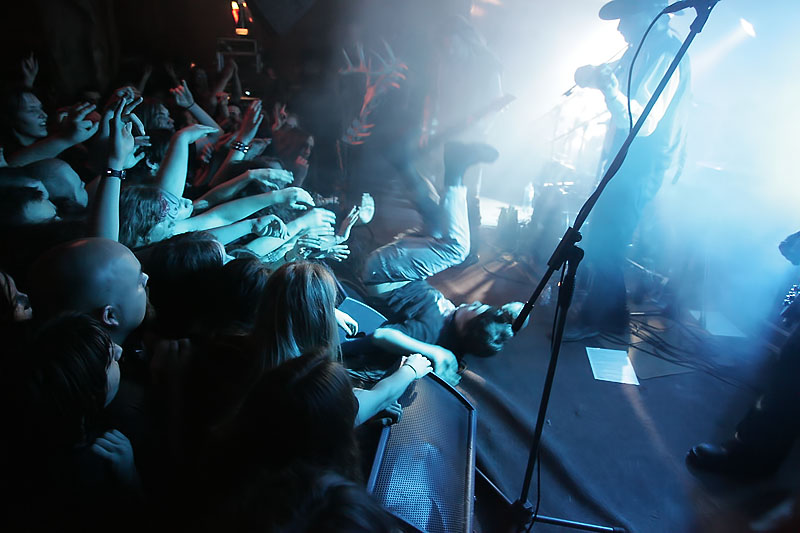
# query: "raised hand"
[[142, 140], [606, 80], [129, 116], [77, 128], [600, 77], [115, 448], [318, 222], [585, 76], [347, 224], [269, 226], [309, 242], [367, 212], [337, 252], [279, 116], [126, 91], [123, 94], [298, 198], [271, 177], [388, 75], [183, 96], [250, 123], [195, 132], [223, 99], [30, 69], [121, 140]]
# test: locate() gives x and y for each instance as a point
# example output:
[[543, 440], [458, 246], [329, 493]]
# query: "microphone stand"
[[567, 253]]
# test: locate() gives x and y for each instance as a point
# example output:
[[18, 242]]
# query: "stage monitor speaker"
[[424, 469]]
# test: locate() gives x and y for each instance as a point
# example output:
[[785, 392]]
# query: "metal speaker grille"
[[426, 476]]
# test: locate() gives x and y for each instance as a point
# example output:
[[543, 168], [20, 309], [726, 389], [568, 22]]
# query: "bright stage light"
[[747, 27]]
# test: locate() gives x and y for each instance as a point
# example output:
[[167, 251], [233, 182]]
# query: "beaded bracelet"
[[240, 146]]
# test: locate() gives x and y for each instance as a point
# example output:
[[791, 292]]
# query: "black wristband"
[[111, 173]]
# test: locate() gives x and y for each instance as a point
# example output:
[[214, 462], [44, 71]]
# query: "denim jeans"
[[416, 256]]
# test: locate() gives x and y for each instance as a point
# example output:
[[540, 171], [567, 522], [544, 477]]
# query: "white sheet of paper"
[[611, 365]]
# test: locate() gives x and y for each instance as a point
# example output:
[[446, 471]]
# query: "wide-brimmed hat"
[[621, 8]]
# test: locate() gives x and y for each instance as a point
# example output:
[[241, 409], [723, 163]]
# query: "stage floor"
[[612, 453]]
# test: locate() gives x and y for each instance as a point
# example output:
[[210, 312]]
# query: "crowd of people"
[[172, 354]]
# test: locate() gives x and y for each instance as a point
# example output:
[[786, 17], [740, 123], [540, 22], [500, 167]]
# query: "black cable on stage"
[[633, 61], [681, 356]]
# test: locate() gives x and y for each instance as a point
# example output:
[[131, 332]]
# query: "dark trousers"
[[773, 422], [610, 229]]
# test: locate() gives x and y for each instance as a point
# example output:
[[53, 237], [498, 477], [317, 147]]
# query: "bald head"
[[96, 276], [61, 181]]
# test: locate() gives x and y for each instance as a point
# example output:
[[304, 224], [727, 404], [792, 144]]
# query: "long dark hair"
[[302, 412], [11, 97], [62, 381], [237, 295], [182, 269], [141, 208], [296, 314]]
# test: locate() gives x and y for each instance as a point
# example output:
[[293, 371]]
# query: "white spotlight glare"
[[747, 27]]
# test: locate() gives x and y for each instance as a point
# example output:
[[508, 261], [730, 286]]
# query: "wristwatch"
[[111, 173]]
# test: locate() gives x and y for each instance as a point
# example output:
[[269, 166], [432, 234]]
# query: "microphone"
[[685, 4]]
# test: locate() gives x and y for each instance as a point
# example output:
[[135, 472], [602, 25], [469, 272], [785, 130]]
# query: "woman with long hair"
[[298, 315]]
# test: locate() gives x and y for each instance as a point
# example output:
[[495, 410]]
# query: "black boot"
[[733, 459], [458, 157]]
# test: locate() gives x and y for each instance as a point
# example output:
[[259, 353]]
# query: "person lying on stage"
[[420, 319]]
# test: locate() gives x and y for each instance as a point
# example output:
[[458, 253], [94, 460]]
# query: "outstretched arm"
[[389, 389], [185, 100], [172, 172], [224, 78], [30, 69], [444, 361], [77, 130], [269, 225], [105, 207], [225, 191], [241, 208], [244, 136]]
